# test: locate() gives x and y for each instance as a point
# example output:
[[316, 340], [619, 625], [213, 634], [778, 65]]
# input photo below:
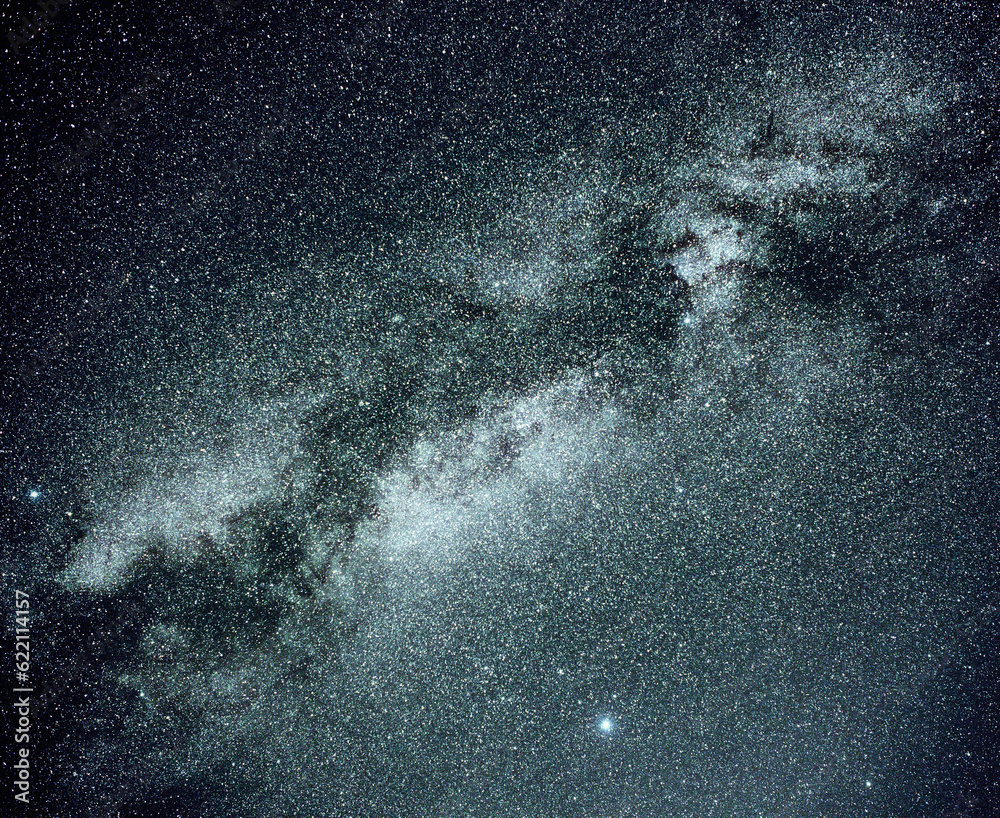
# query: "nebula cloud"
[[611, 458]]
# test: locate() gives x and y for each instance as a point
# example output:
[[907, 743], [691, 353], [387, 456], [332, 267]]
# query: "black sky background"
[[294, 126]]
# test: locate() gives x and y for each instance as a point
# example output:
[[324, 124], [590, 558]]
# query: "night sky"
[[494, 409]]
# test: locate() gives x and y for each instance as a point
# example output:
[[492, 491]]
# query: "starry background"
[[570, 408]]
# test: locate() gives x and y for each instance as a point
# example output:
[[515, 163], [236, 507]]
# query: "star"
[[606, 726], [34, 494]]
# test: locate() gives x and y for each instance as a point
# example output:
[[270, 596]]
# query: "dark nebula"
[[482, 409]]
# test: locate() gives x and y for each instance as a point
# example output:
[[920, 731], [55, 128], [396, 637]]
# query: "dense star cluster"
[[567, 410]]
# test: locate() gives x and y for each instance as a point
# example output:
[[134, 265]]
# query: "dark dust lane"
[[567, 409]]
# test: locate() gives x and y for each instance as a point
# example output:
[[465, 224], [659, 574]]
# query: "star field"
[[572, 409]]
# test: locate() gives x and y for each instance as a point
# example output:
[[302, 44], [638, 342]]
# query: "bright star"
[[34, 494], [606, 725]]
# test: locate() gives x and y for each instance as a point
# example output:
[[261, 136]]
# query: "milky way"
[[574, 411]]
